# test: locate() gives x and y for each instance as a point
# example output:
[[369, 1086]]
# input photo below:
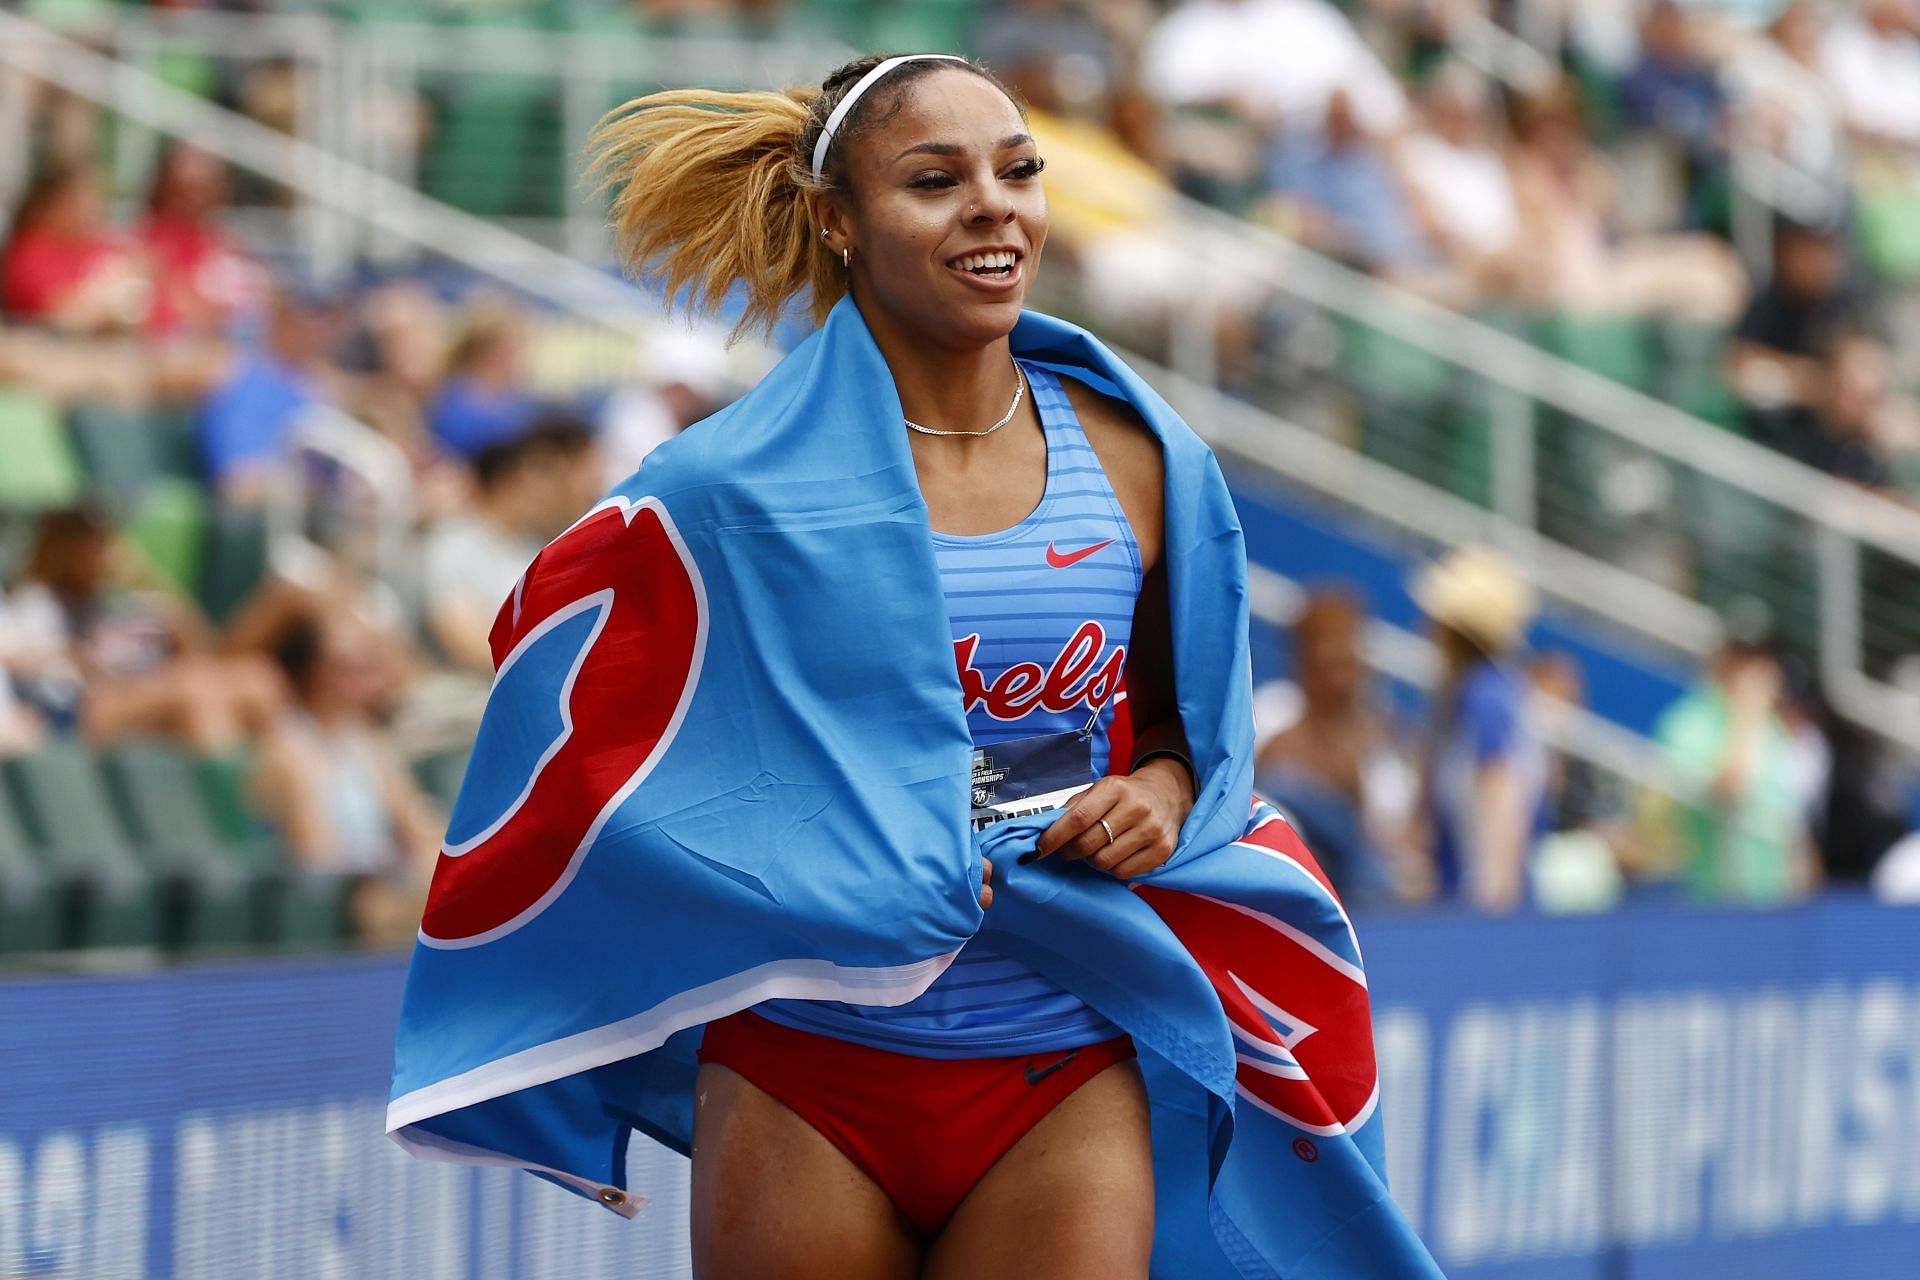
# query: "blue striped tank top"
[[1042, 615]]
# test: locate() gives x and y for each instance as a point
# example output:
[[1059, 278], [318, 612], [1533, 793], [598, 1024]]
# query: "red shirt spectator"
[[200, 277], [64, 266]]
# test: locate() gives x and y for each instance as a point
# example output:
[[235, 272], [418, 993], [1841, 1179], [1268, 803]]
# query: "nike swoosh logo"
[[1035, 1077], [1059, 561]]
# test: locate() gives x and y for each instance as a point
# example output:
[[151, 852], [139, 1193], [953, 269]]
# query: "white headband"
[[865, 83]]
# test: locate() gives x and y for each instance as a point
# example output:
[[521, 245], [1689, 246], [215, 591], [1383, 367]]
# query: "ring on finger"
[[1104, 827]]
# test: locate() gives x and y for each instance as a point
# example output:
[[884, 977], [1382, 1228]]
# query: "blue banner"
[[1646, 1095], [1656, 1094]]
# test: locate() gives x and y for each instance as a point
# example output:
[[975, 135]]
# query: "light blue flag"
[[725, 761]]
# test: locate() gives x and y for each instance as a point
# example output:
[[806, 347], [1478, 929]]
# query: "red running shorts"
[[924, 1129]]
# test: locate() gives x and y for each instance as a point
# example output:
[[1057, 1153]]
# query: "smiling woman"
[[918, 603], [995, 1124]]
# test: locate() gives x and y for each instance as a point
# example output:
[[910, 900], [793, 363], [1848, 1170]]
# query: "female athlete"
[[720, 872], [995, 1125]]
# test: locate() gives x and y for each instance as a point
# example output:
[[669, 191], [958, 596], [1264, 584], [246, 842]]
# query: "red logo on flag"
[[621, 703], [1303, 1032]]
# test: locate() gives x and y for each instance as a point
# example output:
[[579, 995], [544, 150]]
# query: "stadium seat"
[[296, 909], [40, 471], [497, 147], [1617, 347], [937, 26], [440, 774], [236, 559], [1692, 378], [33, 912], [212, 897], [839, 18], [122, 450], [1418, 414], [66, 813], [169, 530], [1384, 367]]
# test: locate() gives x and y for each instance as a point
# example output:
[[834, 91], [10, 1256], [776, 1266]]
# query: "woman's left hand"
[[1126, 826]]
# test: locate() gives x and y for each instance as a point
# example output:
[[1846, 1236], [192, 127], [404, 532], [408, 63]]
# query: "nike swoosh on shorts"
[[1035, 1077]]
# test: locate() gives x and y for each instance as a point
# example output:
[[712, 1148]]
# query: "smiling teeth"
[[984, 261]]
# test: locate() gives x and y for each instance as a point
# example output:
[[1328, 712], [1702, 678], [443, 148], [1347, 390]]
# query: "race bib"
[[1029, 775]]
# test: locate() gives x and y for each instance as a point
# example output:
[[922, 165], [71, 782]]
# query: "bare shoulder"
[[1130, 454]]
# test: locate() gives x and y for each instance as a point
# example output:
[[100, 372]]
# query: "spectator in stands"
[[247, 422], [1336, 188], [483, 401], [1334, 770], [1673, 92], [333, 787], [1058, 41], [1241, 72], [394, 358], [689, 383], [1276, 63], [21, 729], [1141, 262], [99, 652], [1785, 105], [1486, 772], [1587, 834], [1842, 433], [64, 266], [1811, 298], [1867, 808], [1573, 260], [1672, 89], [1746, 839], [202, 279], [530, 489], [1458, 185], [1872, 60]]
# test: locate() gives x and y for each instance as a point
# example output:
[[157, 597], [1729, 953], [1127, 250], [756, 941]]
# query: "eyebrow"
[[1007, 143]]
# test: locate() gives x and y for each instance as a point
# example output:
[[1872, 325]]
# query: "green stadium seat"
[[40, 471], [497, 148], [841, 19], [115, 449], [1418, 413], [298, 909], [1617, 347], [236, 559], [124, 451], [440, 774], [931, 26], [160, 798], [169, 530], [61, 798], [1383, 367], [33, 910], [1693, 378]]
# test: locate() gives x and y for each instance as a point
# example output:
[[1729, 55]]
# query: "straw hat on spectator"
[[1479, 594]]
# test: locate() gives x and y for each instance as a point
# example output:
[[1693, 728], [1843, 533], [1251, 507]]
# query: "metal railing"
[[356, 85], [324, 179], [1842, 560]]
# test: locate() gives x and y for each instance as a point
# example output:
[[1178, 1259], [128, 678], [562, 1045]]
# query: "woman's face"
[[950, 177]]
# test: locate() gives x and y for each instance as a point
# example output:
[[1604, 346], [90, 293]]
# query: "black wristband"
[[1193, 776]]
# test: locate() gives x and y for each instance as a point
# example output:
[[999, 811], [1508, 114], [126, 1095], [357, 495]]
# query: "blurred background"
[[1562, 357]]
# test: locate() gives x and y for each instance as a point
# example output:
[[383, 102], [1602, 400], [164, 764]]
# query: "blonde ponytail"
[[710, 191]]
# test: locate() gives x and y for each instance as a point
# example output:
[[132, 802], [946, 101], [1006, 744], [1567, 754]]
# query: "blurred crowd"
[[329, 688], [335, 685], [1466, 796]]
